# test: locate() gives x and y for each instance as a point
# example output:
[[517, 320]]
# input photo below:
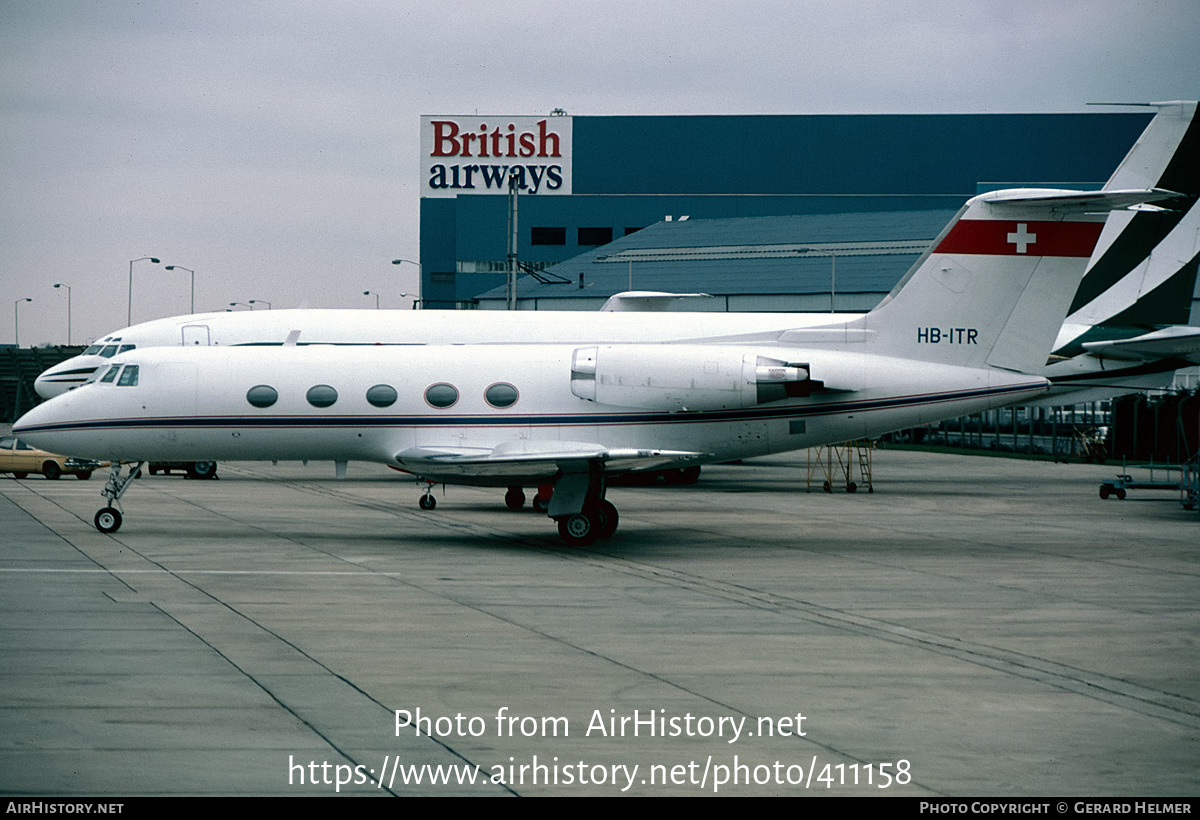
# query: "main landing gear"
[[593, 523], [109, 518], [575, 501]]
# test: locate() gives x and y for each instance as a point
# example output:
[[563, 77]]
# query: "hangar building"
[[803, 212]]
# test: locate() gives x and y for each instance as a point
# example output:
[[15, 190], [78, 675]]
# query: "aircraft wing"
[[532, 460], [1176, 341]]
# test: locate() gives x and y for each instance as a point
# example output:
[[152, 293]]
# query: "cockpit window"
[[111, 374], [92, 350], [109, 351], [129, 377], [127, 347]]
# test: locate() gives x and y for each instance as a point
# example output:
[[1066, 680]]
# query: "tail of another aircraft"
[[1144, 268], [996, 284]]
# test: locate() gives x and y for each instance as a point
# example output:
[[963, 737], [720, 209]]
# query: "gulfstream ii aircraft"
[[1140, 279], [959, 334]]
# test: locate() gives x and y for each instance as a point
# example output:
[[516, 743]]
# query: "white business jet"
[[1139, 280], [958, 335]]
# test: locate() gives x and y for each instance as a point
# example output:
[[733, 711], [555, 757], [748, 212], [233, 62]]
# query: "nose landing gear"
[[108, 519]]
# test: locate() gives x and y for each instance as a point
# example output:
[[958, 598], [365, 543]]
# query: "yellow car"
[[20, 459]]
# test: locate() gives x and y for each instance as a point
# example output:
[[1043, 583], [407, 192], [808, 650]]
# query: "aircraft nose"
[[40, 425], [46, 388], [58, 380]]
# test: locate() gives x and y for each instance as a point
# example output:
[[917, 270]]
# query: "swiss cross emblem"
[[1022, 238]]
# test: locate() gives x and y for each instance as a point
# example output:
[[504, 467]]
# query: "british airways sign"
[[479, 155]]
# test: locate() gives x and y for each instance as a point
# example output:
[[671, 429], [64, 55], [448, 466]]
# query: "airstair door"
[[196, 335]]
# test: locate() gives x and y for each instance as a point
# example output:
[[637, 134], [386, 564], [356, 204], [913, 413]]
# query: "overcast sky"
[[272, 147]]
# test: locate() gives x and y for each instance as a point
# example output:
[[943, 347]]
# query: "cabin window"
[[501, 394], [111, 374], [441, 395], [262, 395], [321, 395], [129, 376], [381, 395]]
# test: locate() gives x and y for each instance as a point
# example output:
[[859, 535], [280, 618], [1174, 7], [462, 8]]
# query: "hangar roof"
[[756, 255]]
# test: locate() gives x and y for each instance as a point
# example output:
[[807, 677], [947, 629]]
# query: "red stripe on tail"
[[1011, 238]]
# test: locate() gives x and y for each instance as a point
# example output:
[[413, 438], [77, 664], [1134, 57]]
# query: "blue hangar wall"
[[599, 178]]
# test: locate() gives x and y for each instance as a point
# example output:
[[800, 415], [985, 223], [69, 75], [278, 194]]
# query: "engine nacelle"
[[683, 377]]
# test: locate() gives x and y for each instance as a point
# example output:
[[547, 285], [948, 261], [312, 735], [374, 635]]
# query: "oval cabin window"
[[321, 395], [381, 395], [441, 395], [262, 395], [502, 394]]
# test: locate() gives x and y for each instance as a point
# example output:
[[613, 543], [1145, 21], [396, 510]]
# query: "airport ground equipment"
[[836, 464], [1118, 486], [1189, 484]]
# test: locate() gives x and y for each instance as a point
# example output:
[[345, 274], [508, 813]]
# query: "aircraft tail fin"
[[1146, 257], [994, 287]]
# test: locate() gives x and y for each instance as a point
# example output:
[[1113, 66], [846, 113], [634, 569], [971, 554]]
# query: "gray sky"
[[272, 146]]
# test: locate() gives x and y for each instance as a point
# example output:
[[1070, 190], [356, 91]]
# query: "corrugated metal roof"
[[867, 252]]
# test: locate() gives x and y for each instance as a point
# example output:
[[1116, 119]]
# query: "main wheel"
[[514, 499], [579, 529], [108, 520], [427, 502], [541, 504], [202, 469], [607, 514], [51, 470]]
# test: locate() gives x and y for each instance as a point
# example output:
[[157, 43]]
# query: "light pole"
[[235, 304], [68, 287], [420, 280], [16, 320], [264, 301], [129, 316], [376, 295], [193, 273]]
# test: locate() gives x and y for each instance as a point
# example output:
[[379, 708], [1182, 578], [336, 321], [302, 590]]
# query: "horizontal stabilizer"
[[1177, 341], [1065, 201]]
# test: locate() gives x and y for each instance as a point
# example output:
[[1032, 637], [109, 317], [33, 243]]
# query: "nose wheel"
[[108, 519]]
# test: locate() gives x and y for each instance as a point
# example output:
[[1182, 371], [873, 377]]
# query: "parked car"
[[21, 459], [193, 469]]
